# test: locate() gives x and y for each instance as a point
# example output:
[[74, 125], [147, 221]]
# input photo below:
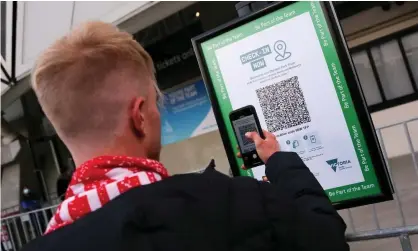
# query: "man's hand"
[[265, 147]]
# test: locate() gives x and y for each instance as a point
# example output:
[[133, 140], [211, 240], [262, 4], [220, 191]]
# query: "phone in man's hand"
[[245, 120]]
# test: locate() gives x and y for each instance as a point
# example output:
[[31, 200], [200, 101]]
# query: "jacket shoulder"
[[207, 204]]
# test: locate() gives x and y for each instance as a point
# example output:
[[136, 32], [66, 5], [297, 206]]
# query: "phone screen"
[[241, 126]]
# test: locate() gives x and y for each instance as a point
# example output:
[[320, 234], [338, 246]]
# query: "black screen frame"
[[353, 84]]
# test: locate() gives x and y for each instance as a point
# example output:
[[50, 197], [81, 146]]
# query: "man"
[[97, 87], [30, 200]]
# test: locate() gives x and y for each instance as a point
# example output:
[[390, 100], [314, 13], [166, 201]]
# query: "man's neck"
[[82, 157]]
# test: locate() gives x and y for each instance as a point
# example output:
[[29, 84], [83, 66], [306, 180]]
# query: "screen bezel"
[[356, 92]]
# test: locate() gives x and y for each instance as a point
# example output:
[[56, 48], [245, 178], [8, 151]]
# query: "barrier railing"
[[10, 211], [402, 233], [17, 230], [402, 196]]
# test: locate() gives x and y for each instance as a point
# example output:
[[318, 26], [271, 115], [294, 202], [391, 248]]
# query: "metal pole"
[[376, 219], [44, 186], [385, 156], [10, 235], [383, 233], [37, 169], [33, 233], [25, 231], [411, 146], [38, 223], [54, 156], [405, 242], [46, 220], [19, 241], [14, 41]]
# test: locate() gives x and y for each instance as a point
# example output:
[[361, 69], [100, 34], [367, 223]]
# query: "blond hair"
[[86, 80]]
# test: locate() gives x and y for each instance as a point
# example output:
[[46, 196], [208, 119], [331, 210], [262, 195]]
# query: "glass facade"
[[388, 70], [410, 44], [366, 77]]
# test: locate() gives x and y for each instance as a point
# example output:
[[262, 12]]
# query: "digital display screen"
[[299, 91], [242, 126]]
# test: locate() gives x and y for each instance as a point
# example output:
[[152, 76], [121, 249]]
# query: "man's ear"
[[137, 116]]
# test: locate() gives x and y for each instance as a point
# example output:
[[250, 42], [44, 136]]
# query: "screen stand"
[[245, 8]]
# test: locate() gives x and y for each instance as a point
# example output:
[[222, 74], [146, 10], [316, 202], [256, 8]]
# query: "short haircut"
[[86, 80]]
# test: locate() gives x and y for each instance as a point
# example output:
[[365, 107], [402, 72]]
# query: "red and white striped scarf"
[[101, 179]]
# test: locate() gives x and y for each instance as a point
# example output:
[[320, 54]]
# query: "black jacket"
[[211, 211]]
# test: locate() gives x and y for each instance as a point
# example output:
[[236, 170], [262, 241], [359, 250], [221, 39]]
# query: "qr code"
[[244, 129], [283, 105]]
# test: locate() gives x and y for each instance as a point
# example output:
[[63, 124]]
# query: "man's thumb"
[[253, 136]]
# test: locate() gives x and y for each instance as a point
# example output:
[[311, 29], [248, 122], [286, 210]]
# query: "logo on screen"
[[280, 49], [340, 165]]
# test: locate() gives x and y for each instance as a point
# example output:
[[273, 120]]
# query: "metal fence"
[[13, 210], [20, 229]]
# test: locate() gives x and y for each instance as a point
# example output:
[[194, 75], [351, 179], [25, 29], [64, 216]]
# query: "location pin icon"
[[280, 48]]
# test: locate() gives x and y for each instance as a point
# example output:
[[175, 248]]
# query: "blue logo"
[[334, 164]]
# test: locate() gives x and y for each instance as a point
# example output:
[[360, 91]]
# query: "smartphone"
[[246, 120]]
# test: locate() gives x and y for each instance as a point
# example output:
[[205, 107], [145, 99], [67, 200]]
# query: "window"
[[388, 70], [391, 69], [410, 44], [367, 80]]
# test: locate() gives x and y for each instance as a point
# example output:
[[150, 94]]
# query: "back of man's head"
[[86, 80]]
